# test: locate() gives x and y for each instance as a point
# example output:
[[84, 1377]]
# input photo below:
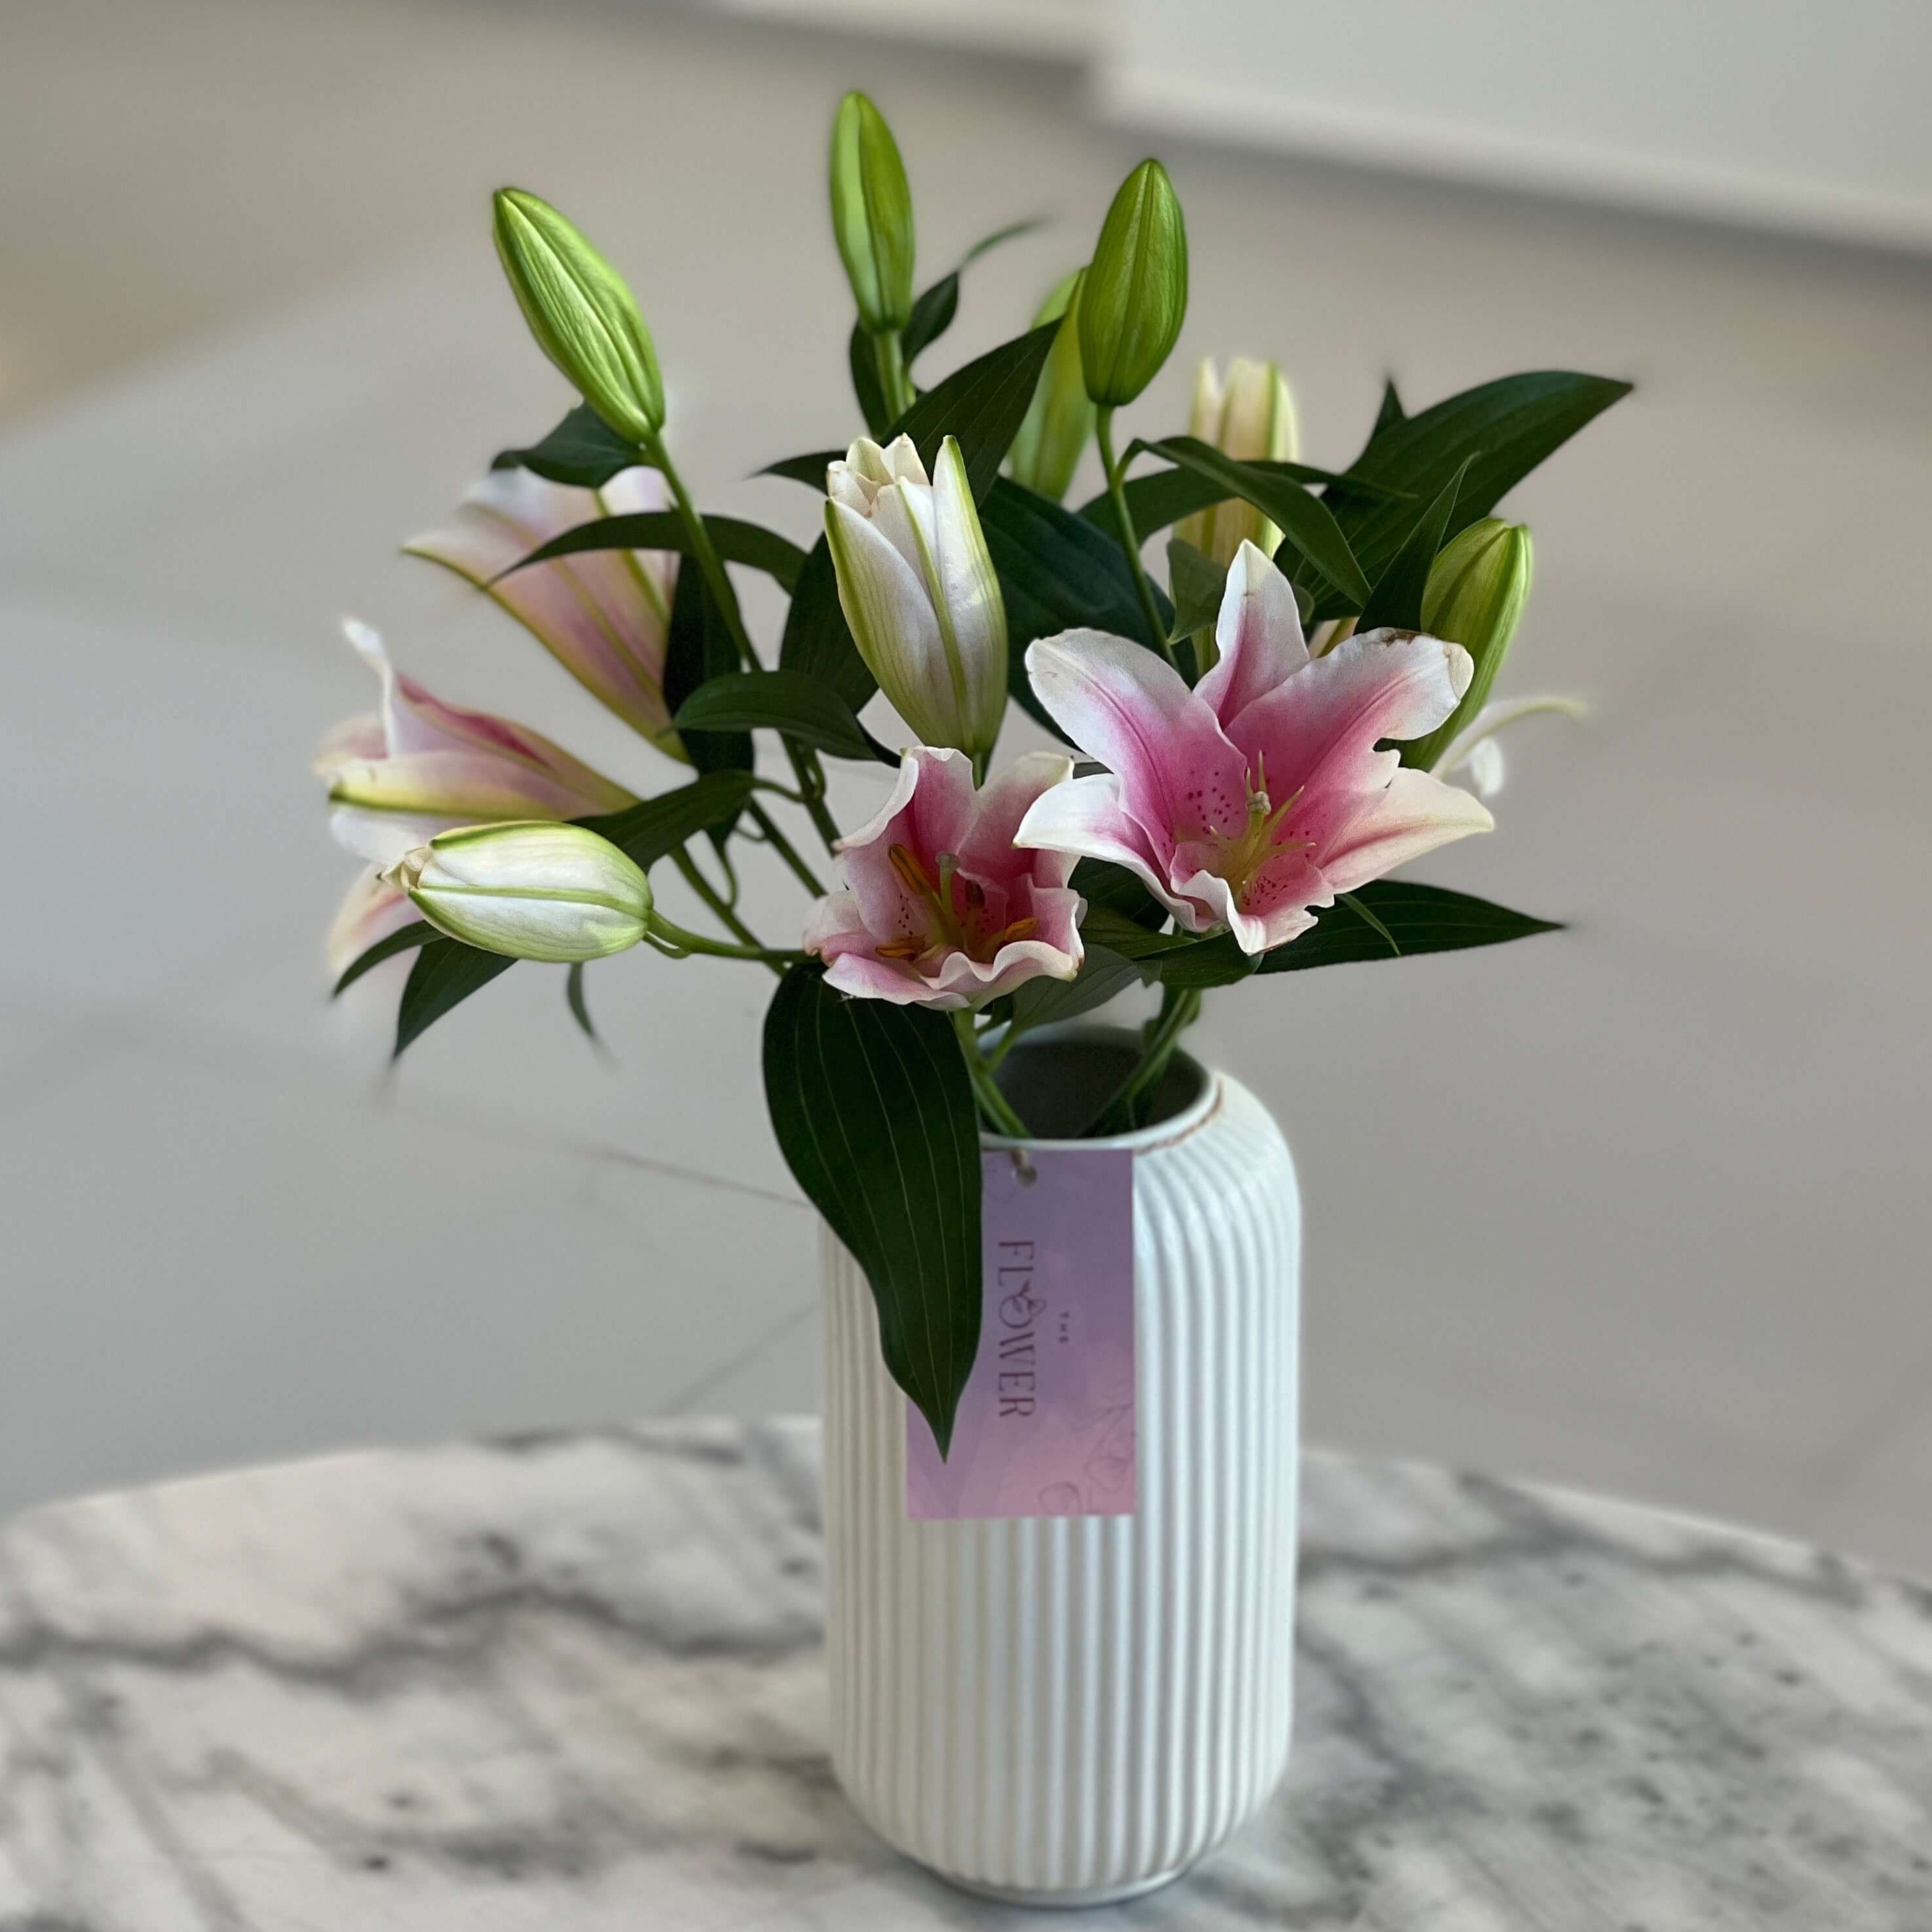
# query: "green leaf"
[[1507, 427], [983, 404], [1165, 496], [735, 541], [648, 831], [1201, 964], [933, 312], [1113, 889], [1103, 974], [1056, 572], [810, 468], [582, 449], [445, 973], [418, 933], [1396, 599], [1306, 521], [1390, 413], [1128, 935], [580, 1007], [699, 647], [802, 707], [1417, 918], [874, 1114], [1198, 583], [861, 358], [817, 641]]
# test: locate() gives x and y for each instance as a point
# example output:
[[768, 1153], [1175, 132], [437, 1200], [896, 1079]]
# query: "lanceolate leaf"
[[1396, 599], [411, 936], [735, 540], [810, 468], [982, 404], [648, 831], [1306, 521], [580, 1007], [1198, 583], [582, 449], [1057, 572], [1166, 496], [1391, 411], [699, 647], [1103, 973], [1508, 426], [874, 1115], [817, 641], [1113, 889], [445, 973], [861, 358], [802, 707]]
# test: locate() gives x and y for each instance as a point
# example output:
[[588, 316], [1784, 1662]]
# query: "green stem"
[[1178, 1012], [720, 906], [895, 380], [995, 1106], [1103, 430], [784, 847], [668, 932]]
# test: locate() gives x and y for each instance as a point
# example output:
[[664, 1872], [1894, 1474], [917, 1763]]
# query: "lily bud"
[[581, 314], [918, 588], [871, 215], [531, 889], [1059, 419], [1250, 417], [1136, 294], [1475, 596]]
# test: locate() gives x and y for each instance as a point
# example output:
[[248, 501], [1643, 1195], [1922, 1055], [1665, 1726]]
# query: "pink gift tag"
[[1046, 1426]]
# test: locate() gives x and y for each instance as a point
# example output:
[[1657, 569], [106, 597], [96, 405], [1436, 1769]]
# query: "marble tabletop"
[[573, 1682]]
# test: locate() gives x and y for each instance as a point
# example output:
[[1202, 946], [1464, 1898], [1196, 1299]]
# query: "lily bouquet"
[[1249, 751]]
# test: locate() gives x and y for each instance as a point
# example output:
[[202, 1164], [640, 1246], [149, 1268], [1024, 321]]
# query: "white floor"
[[1642, 1207]]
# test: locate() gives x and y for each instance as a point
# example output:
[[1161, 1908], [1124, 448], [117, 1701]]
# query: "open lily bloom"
[[372, 909], [941, 908], [603, 615], [1252, 800], [419, 767]]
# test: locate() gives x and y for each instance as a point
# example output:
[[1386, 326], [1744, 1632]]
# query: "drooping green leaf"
[[804, 708], [419, 932], [1056, 572], [983, 404], [445, 973], [1396, 599], [650, 830], [1165, 496], [582, 449], [1103, 974], [1391, 411], [817, 641], [1113, 889], [808, 468], [1197, 582], [1509, 427], [735, 540], [1305, 521], [874, 1115], [698, 647], [933, 312], [580, 1007]]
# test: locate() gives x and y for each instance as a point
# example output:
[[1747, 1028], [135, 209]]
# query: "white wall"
[[1803, 114]]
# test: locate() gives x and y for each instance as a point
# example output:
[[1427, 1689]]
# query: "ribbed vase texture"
[[1071, 1709]]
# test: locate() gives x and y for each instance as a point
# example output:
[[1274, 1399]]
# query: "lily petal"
[[1415, 815], [1258, 633]]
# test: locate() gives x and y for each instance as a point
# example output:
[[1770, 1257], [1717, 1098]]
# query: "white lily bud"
[[531, 889], [1249, 416], [919, 589]]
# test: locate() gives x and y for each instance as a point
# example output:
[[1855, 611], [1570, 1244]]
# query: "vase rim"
[[1159, 1133]]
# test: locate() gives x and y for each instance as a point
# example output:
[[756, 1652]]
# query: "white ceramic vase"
[[1067, 1710]]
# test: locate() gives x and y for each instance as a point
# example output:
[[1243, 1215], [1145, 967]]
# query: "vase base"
[[1065, 1901]]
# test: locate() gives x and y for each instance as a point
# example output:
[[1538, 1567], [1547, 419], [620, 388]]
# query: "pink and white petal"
[[1414, 815], [471, 786], [865, 977], [1084, 817], [1258, 633], [354, 738], [834, 924], [371, 910], [1320, 729], [383, 838], [928, 812], [987, 849], [964, 981], [1122, 704]]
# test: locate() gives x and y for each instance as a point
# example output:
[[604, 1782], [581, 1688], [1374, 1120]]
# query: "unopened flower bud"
[[1059, 419], [871, 215], [1475, 596], [531, 890], [581, 314], [1135, 296], [1249, 416]]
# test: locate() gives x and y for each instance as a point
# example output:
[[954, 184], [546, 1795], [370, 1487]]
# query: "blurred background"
[[1642, 1207]]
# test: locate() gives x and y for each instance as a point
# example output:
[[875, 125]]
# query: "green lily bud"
[[582, 315], [871, 215], [1135, 293], [531, 889], [1475, 596], [1059, 419]]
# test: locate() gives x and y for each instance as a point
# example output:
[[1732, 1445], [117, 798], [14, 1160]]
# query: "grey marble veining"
[[573, 1683]]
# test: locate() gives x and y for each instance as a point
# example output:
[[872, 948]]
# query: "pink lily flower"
[[1252, 800], [371, 910], [603, 615], [941, 908], [420, 766]]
